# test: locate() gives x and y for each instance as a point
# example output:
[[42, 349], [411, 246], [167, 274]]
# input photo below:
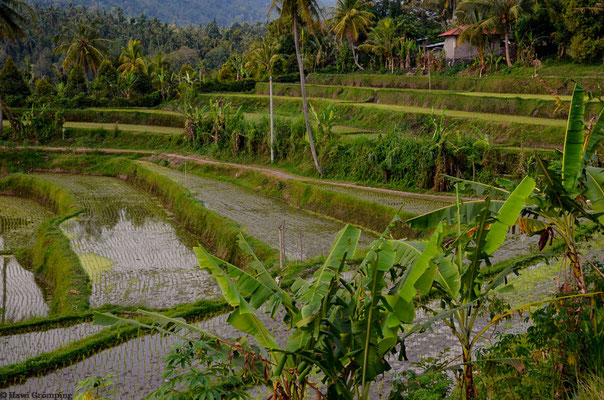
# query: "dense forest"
[[180, 12]]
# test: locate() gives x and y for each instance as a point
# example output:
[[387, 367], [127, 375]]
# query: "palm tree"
[[263, 55], [474, 32], [14, 14], [350, 19], [290, 12], [83, 47], [500, 14], [132, 58], [383, 40]]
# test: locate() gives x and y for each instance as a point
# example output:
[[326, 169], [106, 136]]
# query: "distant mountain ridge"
[[183, 12]]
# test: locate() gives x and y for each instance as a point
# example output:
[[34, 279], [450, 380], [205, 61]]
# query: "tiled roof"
[[459, 29]]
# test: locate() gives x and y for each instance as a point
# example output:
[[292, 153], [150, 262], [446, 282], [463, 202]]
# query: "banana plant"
[[460, 278], [566, 191], [341, 326]]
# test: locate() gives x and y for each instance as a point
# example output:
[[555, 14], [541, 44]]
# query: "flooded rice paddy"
[[137, 365], [20, 296], [133, 251], [16, 348], [305, 234], [137, 255], [19, 220]]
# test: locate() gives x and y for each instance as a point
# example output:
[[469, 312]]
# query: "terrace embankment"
[[52, 259], [495, 84], [529, 105], [413, 121]]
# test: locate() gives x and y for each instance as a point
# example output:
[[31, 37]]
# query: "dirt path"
[[265, 170]]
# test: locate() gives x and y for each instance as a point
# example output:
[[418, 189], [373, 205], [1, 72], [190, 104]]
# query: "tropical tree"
[[560, 201], [383, 41], [499, 14], [160, 62], [293, 12], [351, 19], [83, 46], [474, 33], [132, 58], [13, 15], [264, 55]]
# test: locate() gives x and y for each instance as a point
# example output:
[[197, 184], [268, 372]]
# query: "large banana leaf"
[[596, 139], [477, 187], [508, 215], [244, 317], [468, 211], [262, 277], [401, 302], [574, 139], [344, 246], [448, 277], [595, 190]]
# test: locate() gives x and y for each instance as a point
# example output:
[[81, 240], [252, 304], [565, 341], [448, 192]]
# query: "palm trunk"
[[482, 61], [303, 89], [355, 56], [507, 46]]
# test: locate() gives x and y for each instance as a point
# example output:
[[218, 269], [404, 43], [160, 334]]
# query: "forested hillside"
[[186, 45], [182, 12]]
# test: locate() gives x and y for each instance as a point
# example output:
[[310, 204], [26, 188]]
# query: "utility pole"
[[270, 85]]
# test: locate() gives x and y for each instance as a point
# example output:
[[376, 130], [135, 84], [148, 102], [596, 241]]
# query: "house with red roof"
[[455, 51]]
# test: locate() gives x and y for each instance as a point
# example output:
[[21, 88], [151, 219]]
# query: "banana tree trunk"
[[506, 35], [303, 90], [468, 378]]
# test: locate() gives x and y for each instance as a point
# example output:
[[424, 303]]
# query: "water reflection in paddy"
[[133, 251], [305, 234], [20, 296]]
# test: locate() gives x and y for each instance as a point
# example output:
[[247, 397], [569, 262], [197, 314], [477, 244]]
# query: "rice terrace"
[[310, 199]]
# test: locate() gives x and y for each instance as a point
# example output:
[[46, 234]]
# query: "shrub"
[[12, 85]]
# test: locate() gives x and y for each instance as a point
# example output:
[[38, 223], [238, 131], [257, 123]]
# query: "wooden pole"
[[270, 80], [281, 246]]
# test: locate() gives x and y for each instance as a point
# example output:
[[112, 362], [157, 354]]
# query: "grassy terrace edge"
[[450, 100], [380, 117], [494, 84], [51, 256]]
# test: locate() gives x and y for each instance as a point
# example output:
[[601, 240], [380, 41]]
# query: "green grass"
[[529, 105], [562, 84], [490, 117], [414, 121], [125, 127]]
